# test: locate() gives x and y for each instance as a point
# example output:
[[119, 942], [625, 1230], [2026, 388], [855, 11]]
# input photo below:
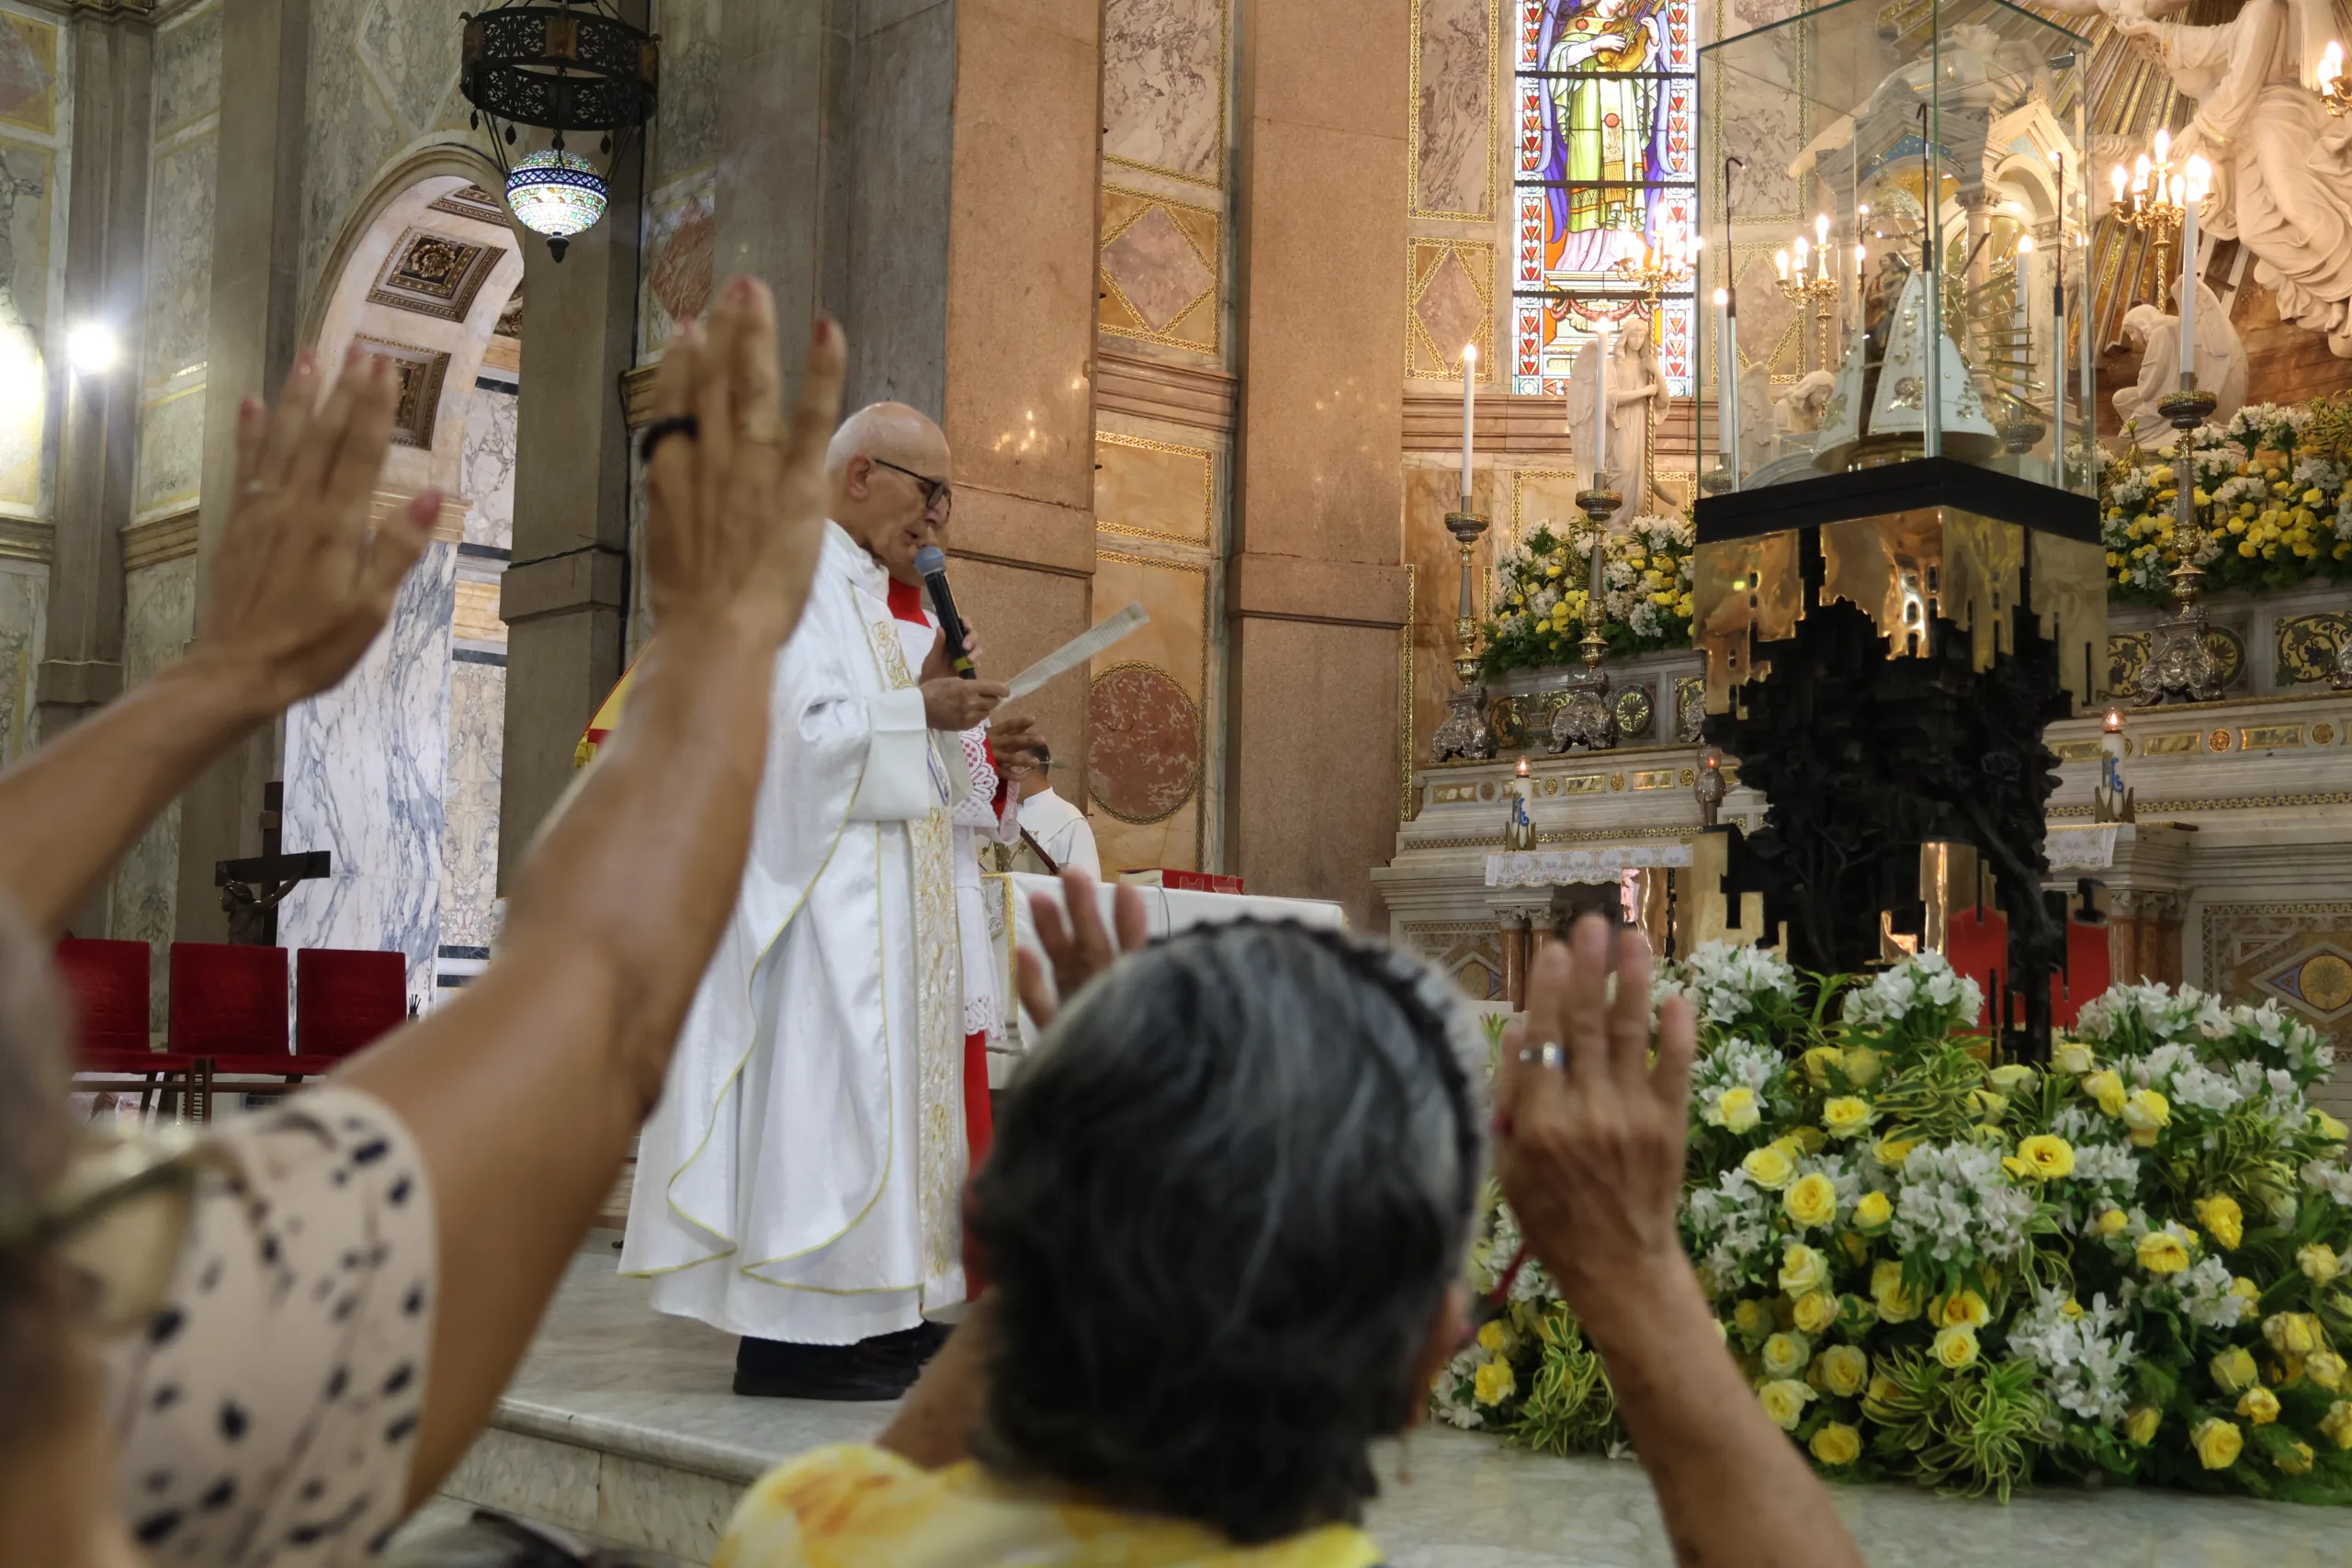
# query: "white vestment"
[[975, 818], [1062, 830], [803, 1176]]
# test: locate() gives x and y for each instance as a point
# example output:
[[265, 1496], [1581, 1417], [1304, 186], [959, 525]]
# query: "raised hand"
[[1078, 948], [738, 505], [305, 579], [1590, 1133]]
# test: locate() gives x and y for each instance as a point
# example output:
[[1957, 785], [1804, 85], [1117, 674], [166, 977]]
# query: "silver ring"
[[1548, 1055]]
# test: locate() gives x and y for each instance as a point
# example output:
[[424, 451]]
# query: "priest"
[[800, 1183]]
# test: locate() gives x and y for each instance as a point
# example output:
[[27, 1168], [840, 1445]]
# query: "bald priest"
[[800, 1183]]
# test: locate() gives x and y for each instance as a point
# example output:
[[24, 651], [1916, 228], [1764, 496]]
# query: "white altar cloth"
[[1597, 863], [1166, 909]]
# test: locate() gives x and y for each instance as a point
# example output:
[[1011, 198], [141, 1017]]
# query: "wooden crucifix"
[[252, 887]]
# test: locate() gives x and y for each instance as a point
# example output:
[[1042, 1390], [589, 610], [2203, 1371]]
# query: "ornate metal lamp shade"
[[558, 66]]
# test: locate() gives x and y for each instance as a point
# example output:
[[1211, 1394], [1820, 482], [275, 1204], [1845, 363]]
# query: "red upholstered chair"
[[1978, 945], [109, 983], [344, 1000], [2089, 972], [228, 1010]]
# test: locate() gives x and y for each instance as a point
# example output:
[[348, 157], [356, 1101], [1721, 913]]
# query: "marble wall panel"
[[383, 73], [1159, 264], [171, 453], [32, 73], [365, 768], [27, 212], [24, 605], [1449, 305], [1454, 108], [1145, 715], [179, 257], [487, 476], [685, 121], [159, 617], [470, 830], [1759, 111], [1163, 86], [1153, 489], [187, 69], [681, 237]]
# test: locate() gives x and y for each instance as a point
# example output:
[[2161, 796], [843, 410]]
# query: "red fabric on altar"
[[345, 999], [2088, 973], [109, 981], [1977, 944], [229, 1000], [1980, 950]]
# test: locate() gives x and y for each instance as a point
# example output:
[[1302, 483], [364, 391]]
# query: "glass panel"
[[1893, 252], [1606, 107]]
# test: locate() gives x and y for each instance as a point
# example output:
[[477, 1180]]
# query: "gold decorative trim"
[[1477, 259], [27, 538], [1407, 803], [2077, 751], [2219, 740], [636, 395], [1198, 568], [1208, 489], [1520, 479], [2270, 737], [1142, 331], [1413, 144], [2180, 743], [158, 540], [1663, 778], [2147, 808]]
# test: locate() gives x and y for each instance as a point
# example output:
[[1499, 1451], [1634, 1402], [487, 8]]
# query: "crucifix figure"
[[252, 888]]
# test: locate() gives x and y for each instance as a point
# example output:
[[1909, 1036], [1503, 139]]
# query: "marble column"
[[106, 241], [253, 328], [1317, 586], [564, 597]]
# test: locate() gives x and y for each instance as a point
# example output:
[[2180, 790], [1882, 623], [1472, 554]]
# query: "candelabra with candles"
[[1808, 283], [1586, 718], [2153, 198], [1662, 267], [1464, 732], [2330, 76]]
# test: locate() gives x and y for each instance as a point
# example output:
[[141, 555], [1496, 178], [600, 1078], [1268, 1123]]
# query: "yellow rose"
[[1843, 1369], [2326, 1369], [1784, 1401], [1494, 1383], [2009, 1077], [1817, 1063], [2232, 1370], [1494, 1338], [1878, 1401], [1837, 1444], [1861, 1066], [1811, 1201], [1769, 1167], [2146, 1113], [1956, 1347], [2327, 1126], [1963, 1309], [2142, 1424], [1786, 1354], [2293, 1333], [2336, 1425], [1752, 1316], [2105, 1088], [2161, 1253], [2318, 1263], [2259, 1406], [1872, 1211], [2222, 1216], [1734, 1110], [1816, 1309], [1895, 1303], [1892, 1152], [2296, 1460], [1990, 1104], [2218, 1443], [2111, 1222], [1810, 1139], [1846, 1115], [2072, 1057], [2047, 1156], [1803, 1269]]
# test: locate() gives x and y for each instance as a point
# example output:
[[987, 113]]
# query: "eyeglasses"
[[117, 1218], [935, 492]]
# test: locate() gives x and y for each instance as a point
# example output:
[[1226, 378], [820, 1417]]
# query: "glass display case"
[[1894, 208]]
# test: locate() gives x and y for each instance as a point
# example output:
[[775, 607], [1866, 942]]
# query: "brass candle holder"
[[1465, 733], [1586, 718], [2181, 666]]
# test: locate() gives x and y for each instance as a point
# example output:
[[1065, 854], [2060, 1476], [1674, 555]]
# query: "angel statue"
[[2221, 367], [1636, 394]]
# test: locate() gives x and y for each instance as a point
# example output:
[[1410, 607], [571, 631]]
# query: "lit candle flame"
[[2201, 178], [1821, 228], [1780, 261], [2164, 147], [2331, 66]]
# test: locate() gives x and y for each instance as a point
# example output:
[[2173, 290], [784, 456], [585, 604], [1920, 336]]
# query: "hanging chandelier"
[[556, 65]]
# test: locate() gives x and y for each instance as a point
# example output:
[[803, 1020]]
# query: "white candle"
[[1600, 420], [1469, 410], [2025, 289], [1726, 385], [2193, 196]]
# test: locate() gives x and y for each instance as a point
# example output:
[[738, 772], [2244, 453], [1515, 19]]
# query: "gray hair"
[[1226, 1200]]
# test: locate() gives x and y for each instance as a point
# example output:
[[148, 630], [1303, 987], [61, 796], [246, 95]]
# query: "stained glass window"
[[1606, 100]]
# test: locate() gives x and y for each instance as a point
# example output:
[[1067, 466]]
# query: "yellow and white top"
[[851, 1507]]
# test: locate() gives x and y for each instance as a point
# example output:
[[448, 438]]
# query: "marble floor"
[[620, 1426]]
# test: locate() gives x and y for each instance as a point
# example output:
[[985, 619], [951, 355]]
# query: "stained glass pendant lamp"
[[556, 65]]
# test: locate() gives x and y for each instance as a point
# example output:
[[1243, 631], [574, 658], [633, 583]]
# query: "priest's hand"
[[305, 577], [953, 703], [1589, 1151], [936, 665], [1077, 947], [1016, 743], [738, 499]]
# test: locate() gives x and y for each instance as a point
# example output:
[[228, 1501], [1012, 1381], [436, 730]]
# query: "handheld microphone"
[[931, 562]]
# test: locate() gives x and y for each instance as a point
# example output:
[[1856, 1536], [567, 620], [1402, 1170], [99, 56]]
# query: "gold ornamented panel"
[[420, 372], [1449, 302], [1154, 490], [1745, 592], [433, 274], [2308, 645], [1160, 266], [2127, 655], [2300, 954]]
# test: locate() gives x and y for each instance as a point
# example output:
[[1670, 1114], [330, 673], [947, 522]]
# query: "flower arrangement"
[[2131, 1265], [2272, 502], [1540, 590]]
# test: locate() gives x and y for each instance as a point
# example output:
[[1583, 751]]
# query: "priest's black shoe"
[[882, 1368]]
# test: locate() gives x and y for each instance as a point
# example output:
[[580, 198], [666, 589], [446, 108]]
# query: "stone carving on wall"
[[1145, 761], [1159, 270], [1448, 304], [1163, 86], [2221, 367], [1454, 110], [421, 372], [433, 274]]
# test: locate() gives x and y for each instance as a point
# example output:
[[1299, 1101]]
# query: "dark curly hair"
[[1226, 1201]]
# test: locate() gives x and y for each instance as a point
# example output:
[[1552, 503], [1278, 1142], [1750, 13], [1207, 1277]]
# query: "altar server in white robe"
[[800, 1183]]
